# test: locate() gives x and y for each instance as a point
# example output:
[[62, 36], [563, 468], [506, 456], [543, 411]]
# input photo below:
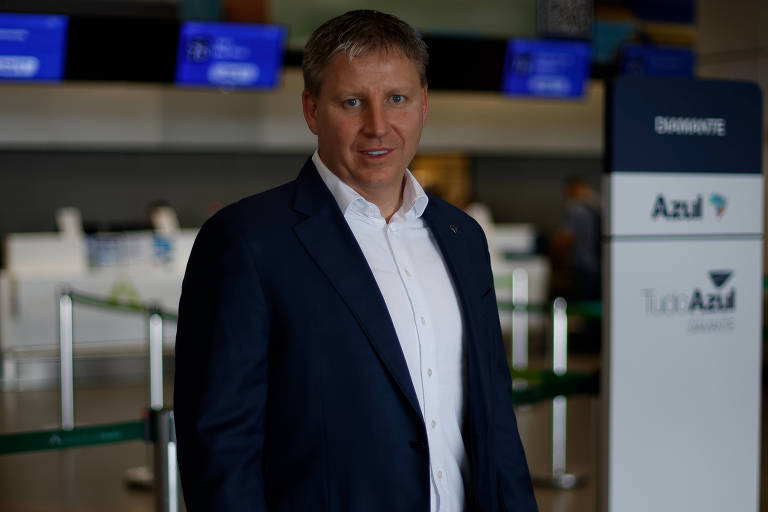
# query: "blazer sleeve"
[[515, 490], [221, 374]]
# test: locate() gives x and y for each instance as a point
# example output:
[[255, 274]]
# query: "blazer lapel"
[[453, 237], [326, 236]]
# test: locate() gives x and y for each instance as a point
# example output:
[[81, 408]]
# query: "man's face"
[[368, 118]]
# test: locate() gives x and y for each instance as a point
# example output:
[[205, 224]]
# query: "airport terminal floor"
[[92, 479]]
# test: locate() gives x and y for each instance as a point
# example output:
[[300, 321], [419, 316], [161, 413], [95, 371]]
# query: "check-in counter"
[[134, 268]]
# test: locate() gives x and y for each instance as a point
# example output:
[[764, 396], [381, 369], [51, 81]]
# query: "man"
[[581, 232], [577, 243], [338, 346]]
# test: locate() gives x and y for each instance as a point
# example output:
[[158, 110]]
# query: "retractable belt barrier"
[[115, 305], [546, 385], [543, 385], [157, 425], [584, 309], [537, 385], [78, 437]]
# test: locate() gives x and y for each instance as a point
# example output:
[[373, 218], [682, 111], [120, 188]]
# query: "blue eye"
[[352, 102], [397, 98]]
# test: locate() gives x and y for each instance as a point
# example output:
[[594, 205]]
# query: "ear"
[[309, 105], [426, 106]]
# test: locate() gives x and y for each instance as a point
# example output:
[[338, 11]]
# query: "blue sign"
[[32, 46], [646, 59], [677, 124], [554, 69], [230, 55]]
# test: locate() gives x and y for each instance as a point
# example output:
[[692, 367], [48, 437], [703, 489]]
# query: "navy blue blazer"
[[292, 392]]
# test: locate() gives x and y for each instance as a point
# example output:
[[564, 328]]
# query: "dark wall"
[[116, 187]]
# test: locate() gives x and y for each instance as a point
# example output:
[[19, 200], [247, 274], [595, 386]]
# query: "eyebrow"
[[401, 91]]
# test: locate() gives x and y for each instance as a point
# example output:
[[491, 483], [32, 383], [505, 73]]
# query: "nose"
[[375, 121]]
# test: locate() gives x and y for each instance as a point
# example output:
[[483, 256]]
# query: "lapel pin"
[[454, 228]]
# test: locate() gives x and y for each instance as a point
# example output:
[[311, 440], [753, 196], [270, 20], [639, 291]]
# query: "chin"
[[382, 177]]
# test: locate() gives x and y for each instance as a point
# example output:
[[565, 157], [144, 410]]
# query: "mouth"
[[376, 153]]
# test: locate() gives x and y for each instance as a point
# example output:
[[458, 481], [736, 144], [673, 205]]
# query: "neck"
[[388, 200]]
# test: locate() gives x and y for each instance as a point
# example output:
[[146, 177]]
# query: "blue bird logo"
[[719, 202]]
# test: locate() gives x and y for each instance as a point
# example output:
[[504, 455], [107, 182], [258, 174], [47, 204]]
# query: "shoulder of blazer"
[[260, 214]]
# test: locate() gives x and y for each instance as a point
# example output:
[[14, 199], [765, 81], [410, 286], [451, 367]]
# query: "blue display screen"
[[230, 55], [640, 59], [553, 69], [32, 46]]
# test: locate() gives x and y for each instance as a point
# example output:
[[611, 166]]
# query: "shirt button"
[[434, 423], [423, 321], [407, 273], [429, 372], [439, 474]]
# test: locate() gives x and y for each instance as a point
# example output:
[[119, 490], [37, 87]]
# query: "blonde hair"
[[357, 33]]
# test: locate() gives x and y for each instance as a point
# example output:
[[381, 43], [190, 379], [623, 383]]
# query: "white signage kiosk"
[[683, 296]]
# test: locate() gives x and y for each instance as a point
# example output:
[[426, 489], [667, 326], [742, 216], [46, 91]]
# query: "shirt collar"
[[414, 198]]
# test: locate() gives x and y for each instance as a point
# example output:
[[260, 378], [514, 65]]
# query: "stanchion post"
[[166, 474], [559, 367], [559, 477], [155, 342], [142, 477], [66, 360], [520, 319]]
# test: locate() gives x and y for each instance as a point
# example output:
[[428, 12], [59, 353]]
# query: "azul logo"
[[718, 202], [697, 301], [677, 208], [720, 277]]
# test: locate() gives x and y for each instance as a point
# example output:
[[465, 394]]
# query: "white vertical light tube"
[[67, 376], [520, 319]]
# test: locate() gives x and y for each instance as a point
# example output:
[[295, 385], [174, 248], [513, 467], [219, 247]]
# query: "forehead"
[[375, 68]]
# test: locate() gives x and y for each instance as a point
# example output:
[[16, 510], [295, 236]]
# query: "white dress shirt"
[[423, 305]]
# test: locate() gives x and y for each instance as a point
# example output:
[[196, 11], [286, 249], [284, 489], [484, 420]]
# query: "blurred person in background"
[[338, 345], [577, 256]]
